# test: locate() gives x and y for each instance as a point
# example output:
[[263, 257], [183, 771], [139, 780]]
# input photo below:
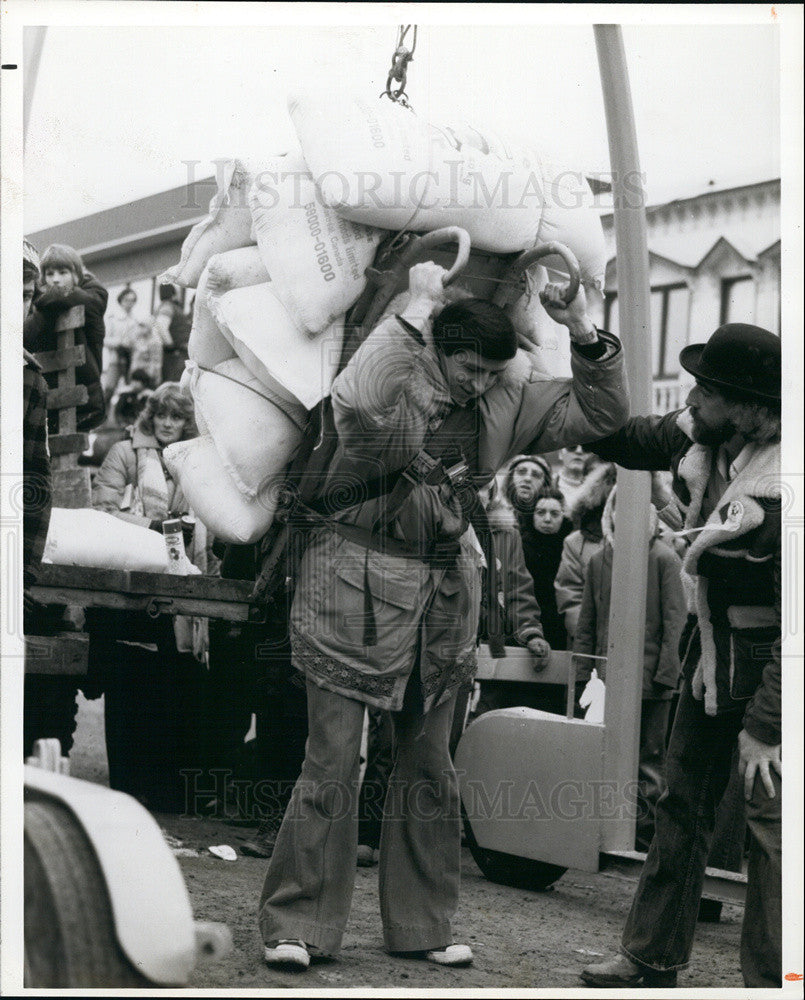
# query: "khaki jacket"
[[385, 402]]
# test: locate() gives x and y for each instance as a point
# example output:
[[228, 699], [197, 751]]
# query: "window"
[[737, 299], [669, 325]]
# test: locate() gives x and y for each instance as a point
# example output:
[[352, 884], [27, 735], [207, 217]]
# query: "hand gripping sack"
[[317, 259], [286, 360], [253, 436], [215, 499]]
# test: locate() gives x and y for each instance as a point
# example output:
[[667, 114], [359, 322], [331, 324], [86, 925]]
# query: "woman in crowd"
[[543, 541], [150, 669]]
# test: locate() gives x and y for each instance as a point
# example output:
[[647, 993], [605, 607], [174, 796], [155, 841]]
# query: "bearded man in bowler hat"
[[724, 452]]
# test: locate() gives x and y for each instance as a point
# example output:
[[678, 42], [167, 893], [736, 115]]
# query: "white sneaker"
[[451, 954], [291, 954]]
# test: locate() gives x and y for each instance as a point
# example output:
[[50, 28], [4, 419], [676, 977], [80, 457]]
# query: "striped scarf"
[[151, 484]]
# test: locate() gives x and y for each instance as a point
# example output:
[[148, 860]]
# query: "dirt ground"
[[520, 939]]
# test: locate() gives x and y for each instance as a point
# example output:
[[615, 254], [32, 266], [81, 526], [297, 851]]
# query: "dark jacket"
[[386, 401], [521, 612], [665, 613], [39, 334], [37, 491], [543, 553], [579, 545], [731, 646]]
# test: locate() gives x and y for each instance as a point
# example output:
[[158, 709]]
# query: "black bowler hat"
[[741, 358]]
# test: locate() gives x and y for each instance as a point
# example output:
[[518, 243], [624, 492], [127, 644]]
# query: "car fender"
[[149, 900]]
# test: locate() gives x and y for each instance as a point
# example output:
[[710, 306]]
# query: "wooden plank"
[[66, 396], [67, 444], [73, 319], [71, 486], [63, 653], [518, 666], [127, 581], [56, 361], [225, 610], [728, 887]]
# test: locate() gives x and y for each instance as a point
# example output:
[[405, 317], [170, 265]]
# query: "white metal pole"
[[31, 70], [624, 679]]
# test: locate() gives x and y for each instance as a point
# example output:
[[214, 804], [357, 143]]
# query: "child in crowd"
[[585, 513], [665, 618], [543, 541], [65, 284]]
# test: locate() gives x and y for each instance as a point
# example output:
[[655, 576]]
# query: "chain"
[[399, 66]]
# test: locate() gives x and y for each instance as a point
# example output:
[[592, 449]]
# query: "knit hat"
[[30, 260]]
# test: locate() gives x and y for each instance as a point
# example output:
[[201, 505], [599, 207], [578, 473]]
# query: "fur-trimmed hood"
[[739, 512], [593, 493], [608, 520]]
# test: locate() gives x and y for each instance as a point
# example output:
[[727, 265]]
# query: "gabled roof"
[[689, 250], [153, 220]]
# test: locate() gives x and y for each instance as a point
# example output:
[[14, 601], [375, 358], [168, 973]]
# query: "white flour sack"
[[378, 163], [228, 225], [207, 345], [86, 537], [216, 501], [570, 214], [235, 269], [316, 258], [253, 436], [285, 359]]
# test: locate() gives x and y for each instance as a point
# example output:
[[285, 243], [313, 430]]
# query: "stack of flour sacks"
[[282, 256]]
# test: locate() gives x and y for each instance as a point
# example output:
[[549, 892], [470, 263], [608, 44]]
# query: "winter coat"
[[37, 491], [665, 612], [580, 545], [543, 554], [731, 645], [385, 402], [114, 487], [39, 334], [521, 612]]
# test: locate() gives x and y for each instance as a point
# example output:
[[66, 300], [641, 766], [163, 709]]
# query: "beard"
[[712, 437]]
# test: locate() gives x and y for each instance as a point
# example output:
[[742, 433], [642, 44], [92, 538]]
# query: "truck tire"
[[49, 710], [508, 869], [68, 928]]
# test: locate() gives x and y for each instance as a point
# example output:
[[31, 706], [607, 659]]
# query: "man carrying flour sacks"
[[387, 599]]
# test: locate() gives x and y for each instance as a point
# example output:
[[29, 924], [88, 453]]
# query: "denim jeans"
[[308, 888], [662, 921]]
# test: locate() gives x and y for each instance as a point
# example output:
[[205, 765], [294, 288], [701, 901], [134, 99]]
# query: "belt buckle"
[[458, 474], [421, 468]]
